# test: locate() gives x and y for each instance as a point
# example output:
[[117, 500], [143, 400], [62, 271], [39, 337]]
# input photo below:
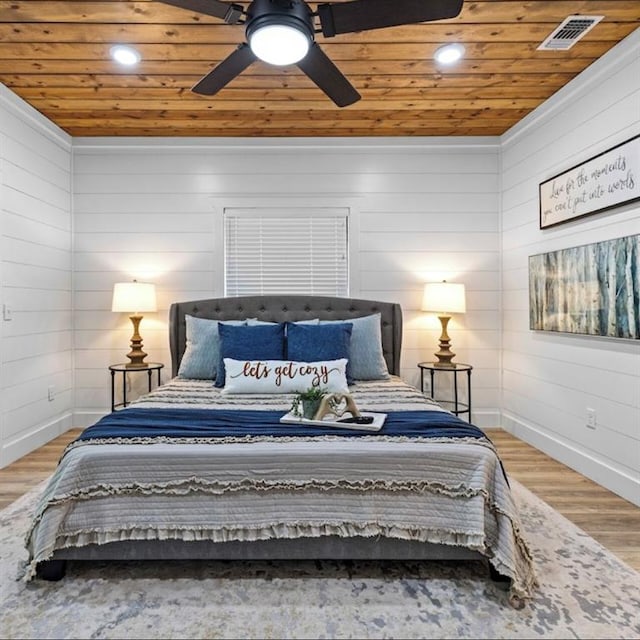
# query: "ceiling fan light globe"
[[279, 44]]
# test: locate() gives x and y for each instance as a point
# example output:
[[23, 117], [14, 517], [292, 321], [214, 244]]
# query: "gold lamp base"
[[136, 355], [444, 355]]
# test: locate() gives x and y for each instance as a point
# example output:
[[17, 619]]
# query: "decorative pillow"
[[366, 360], [202, 352], [263, 342], [252, 322], [308, 343], [284, 376]]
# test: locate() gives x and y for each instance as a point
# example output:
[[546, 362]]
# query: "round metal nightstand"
[[455, 406], [124, 368]]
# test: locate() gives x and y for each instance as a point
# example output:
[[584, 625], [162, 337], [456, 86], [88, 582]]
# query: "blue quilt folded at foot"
[[219, 423]]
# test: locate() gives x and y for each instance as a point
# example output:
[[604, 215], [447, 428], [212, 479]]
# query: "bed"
[[192, 470]]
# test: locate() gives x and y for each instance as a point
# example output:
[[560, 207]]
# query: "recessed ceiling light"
[[449, 53], [125, 55]]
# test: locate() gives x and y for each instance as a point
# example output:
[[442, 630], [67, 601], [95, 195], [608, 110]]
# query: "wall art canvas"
[[593, 289], [608, 180]]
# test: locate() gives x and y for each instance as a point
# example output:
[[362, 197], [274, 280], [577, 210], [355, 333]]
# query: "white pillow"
[[284, 376]]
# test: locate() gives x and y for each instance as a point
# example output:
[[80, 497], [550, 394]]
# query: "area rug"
[[584, 592]]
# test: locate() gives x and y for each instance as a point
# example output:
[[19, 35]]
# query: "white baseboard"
[[486, 418], [600, 472], [84, 418], [30, 441]]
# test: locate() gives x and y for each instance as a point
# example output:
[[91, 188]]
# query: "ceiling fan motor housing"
[[291, 13]]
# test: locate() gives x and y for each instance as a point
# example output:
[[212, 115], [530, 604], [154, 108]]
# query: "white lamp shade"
[[444, 297], [134, 297]]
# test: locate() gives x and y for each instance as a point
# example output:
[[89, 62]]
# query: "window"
[[301, 251]]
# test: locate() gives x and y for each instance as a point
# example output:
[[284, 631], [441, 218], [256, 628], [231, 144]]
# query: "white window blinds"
[[300, 251]]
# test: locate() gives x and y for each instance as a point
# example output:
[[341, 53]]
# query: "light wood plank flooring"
[[614, 522]]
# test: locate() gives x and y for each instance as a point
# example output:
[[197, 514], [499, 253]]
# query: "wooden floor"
[[614, 522]]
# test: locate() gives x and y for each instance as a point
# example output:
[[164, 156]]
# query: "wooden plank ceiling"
[[55, 55]]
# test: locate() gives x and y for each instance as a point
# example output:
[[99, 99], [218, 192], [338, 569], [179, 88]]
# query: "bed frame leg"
[[498, 577], [51, 570]]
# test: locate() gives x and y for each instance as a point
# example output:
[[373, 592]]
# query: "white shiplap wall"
[[551, 379], [35, 258], [421, 210]]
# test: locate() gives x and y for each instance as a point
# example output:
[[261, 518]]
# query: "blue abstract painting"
[[593, 289]]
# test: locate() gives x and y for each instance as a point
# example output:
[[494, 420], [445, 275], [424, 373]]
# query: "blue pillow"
[[252, 322], [314, 343], [366, 359], [261, 342], [202, 352]]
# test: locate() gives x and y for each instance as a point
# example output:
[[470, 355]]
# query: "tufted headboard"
[[280, 308]]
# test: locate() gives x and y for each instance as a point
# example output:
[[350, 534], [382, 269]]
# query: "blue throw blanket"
[[218, 423]]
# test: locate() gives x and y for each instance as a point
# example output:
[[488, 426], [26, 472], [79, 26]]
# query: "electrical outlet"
[[591, 418], [7, 314], [51, 393]]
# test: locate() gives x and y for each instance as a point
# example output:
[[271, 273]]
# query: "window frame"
[[277, 210]]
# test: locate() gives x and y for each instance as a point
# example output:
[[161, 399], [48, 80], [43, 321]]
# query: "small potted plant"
[[306, 403]]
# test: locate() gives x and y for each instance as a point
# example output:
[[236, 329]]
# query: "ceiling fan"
[[283, 32]]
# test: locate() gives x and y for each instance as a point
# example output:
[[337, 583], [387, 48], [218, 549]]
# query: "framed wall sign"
[[593, 289], [607, 180]]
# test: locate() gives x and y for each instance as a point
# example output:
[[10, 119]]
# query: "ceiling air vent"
[[569, 32]]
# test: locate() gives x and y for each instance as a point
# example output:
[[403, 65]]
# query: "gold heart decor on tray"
[[336, 404], [315, 403]]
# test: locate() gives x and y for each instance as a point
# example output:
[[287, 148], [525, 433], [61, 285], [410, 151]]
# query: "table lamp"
[[134, 297], [444, 298]]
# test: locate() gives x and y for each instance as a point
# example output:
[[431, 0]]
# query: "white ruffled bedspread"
[[446, 491]]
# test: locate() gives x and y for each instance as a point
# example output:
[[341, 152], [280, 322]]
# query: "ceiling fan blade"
[[226, 71], [328, 77], [230, 13], [362, 15]]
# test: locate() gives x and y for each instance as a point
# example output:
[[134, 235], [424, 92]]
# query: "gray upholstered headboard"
[[280, 308]]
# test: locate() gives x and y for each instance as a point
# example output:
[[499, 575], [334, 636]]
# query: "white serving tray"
[[376, 425]]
